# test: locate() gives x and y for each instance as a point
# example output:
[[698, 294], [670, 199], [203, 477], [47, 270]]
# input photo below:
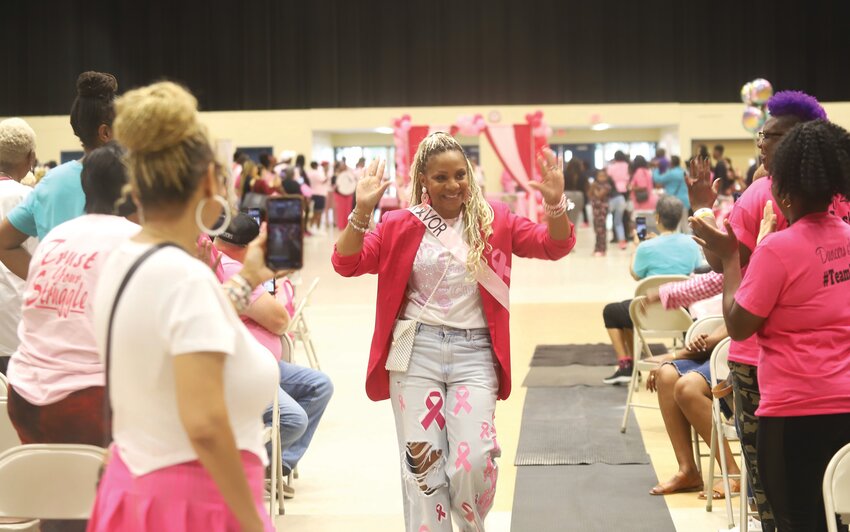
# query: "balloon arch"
[[516, 145]]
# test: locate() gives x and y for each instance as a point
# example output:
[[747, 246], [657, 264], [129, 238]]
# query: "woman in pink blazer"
[[446, 285]]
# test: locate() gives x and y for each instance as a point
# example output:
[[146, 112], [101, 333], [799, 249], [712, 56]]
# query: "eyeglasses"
[[762, 136]]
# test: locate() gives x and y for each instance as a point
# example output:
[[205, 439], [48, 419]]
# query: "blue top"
[[673, 181], [57, 198], [673, 254]]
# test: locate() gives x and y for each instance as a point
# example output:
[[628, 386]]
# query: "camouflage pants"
[[745, 385]]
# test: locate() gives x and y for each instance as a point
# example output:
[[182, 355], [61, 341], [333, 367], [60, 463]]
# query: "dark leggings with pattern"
[[745, 385]]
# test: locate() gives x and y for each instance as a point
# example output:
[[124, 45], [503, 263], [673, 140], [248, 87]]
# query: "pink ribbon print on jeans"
[[468, 513], [461, 403], [434, 404], [462, 455]]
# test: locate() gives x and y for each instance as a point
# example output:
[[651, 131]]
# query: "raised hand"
[[371, 188], [724, 245], [552, 172], [768, 222], [701, 191]]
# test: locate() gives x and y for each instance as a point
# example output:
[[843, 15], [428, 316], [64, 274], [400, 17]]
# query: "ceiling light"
[[601, 126], [384, 130]]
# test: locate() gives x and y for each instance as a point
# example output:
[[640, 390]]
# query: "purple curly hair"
[[796, 103]]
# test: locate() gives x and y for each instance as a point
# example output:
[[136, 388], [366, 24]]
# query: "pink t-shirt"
[[746, 222], [643, 179], [227, 269], [799, 281], [618, 171], [58, 354], [319, 182]]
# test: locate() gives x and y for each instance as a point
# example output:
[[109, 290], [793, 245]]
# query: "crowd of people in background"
[[188, 364]]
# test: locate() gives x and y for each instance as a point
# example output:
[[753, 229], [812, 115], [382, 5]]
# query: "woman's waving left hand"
[[552, 184]]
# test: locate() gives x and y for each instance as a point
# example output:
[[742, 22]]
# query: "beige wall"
[[309, 131]]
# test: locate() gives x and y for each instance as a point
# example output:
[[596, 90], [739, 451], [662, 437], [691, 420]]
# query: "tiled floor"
[[349, 477]]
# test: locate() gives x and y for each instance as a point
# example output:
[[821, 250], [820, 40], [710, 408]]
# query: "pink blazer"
[[389, 251]]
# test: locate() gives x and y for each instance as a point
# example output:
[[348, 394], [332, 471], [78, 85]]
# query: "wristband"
[[704, 213]]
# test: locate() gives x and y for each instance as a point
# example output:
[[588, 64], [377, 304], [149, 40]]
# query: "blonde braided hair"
[[476, 212]]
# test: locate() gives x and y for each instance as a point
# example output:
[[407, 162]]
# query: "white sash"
[[453, 242]]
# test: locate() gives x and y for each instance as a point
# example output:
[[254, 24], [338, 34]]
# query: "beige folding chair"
[[656, 322], [719, 367], [55, 481], [654, 281], [836, 489], [706, 325], [645, 285], [272, 434], [299, 329]]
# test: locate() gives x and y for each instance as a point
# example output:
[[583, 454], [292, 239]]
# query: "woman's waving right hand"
[[701, 191], [371, 188]]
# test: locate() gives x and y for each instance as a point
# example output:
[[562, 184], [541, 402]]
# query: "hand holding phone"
[[285, 230], [640, 227]]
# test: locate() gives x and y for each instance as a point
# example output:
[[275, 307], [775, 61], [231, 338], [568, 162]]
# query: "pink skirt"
[[180, 498]]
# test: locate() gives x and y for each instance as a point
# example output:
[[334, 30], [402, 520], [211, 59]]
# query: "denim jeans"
[[617, 206], [303, 395], [444, 408]]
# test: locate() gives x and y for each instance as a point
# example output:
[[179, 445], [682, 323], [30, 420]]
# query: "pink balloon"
[[538, 114], [529, 117]]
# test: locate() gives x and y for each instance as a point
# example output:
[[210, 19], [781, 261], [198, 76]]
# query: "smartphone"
[[640, 227], [284, 225], [256, 214], [270, 287]]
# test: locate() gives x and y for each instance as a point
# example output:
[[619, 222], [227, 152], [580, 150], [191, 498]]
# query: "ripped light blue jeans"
[[444, 409]]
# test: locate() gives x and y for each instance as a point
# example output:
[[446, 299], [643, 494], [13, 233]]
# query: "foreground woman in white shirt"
[[187, 382]]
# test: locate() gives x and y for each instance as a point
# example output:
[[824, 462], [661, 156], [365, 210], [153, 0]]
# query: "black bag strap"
[[107, 403]]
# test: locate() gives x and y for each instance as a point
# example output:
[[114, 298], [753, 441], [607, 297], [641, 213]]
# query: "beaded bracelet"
[[239, 292], [554, 211], [357, 226]]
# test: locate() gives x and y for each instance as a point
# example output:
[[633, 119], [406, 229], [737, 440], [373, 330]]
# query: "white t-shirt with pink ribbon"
[[456, 301], [58, 353]]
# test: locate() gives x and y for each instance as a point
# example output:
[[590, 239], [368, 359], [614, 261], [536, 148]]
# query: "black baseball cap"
[[241, 231]]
